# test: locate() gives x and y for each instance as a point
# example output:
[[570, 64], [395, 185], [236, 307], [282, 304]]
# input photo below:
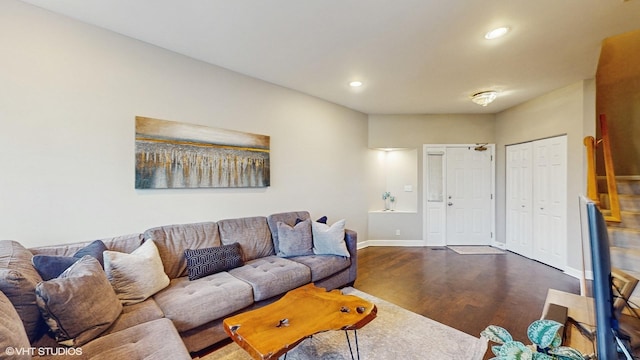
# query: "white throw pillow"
[[136, 276], [329, 240]]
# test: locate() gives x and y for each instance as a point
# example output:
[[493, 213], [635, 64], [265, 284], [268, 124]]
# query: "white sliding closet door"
[[519, 191], [550, 201], [536, 189]]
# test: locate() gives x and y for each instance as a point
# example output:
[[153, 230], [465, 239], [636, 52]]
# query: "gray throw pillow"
[[18, 280], [12, 330], [80, 304], [296, 240], [207, 261], [329, 240]]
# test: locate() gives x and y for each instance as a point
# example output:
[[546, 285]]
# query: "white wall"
[[411, 132], [69, 94], [570, 111]]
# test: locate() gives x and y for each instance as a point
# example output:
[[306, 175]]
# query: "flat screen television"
[[608, 337]]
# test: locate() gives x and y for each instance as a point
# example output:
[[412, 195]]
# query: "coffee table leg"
[[355, 334]]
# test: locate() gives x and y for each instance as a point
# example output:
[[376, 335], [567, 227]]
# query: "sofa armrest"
[[351, 238]]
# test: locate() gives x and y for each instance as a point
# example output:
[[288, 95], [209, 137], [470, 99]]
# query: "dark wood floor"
[[466, 292]]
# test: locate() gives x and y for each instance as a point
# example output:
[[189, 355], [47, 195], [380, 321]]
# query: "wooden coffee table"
[[271, 331]]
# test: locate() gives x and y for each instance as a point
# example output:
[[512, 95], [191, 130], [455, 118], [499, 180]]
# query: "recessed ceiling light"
[[355, 83], [497, 32], [484, 98]]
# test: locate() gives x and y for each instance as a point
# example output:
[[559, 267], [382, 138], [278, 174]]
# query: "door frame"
[[442, 148]]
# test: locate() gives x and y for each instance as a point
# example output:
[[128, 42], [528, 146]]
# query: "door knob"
[[450, 203]]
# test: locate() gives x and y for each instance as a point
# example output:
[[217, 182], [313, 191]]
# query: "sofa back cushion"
[[173, 240], [252, 233], [124, 243], [288, 218], [18, 280], [12, 333]]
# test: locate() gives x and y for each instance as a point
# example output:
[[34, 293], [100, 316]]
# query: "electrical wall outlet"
[[397, 232]]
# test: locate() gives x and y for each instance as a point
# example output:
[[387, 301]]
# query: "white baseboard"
[[499, 245], [577, 273], [410, 243], [405, 243]]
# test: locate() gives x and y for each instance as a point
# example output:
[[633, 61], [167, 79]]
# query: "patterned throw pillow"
[[207, 261]]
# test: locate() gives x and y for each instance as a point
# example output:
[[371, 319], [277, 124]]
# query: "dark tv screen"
[[606, 323]]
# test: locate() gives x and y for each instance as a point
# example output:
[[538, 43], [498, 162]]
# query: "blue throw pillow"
[[322, 220], [207, 261], [51, 266]]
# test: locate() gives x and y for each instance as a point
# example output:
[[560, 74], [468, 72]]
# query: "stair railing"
[[592, 183]]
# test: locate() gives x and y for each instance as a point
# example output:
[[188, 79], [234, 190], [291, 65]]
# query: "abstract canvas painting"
[[172, 155]]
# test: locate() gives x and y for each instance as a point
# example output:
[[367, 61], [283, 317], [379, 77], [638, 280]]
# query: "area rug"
[[476, 250], [395, 333]]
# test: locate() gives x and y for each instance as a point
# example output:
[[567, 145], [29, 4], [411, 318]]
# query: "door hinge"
[[491, 196], [492, 234], [491, 157]]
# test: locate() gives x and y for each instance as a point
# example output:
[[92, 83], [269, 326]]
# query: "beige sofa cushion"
[[18, 280], [154, 340], [12, 333], [252, 233], [80, 304], [270, 276], [173, 240], [193, 303], [323, 266], [135, 314]]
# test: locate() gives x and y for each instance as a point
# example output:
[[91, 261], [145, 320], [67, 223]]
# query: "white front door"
[[469, 196]]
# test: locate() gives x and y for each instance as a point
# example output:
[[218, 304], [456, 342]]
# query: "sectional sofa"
[[162, 293]]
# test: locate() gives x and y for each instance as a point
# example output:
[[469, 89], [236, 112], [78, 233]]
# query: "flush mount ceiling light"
[[484, 98], [355, 83], [497, 33]]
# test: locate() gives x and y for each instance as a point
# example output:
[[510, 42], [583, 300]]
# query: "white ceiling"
[[414, 56]]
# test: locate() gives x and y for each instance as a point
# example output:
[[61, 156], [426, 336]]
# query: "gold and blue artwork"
[[172, 155]]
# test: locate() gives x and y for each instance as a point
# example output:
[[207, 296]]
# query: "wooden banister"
[[612, 187], [592, 182], [592, 185]]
